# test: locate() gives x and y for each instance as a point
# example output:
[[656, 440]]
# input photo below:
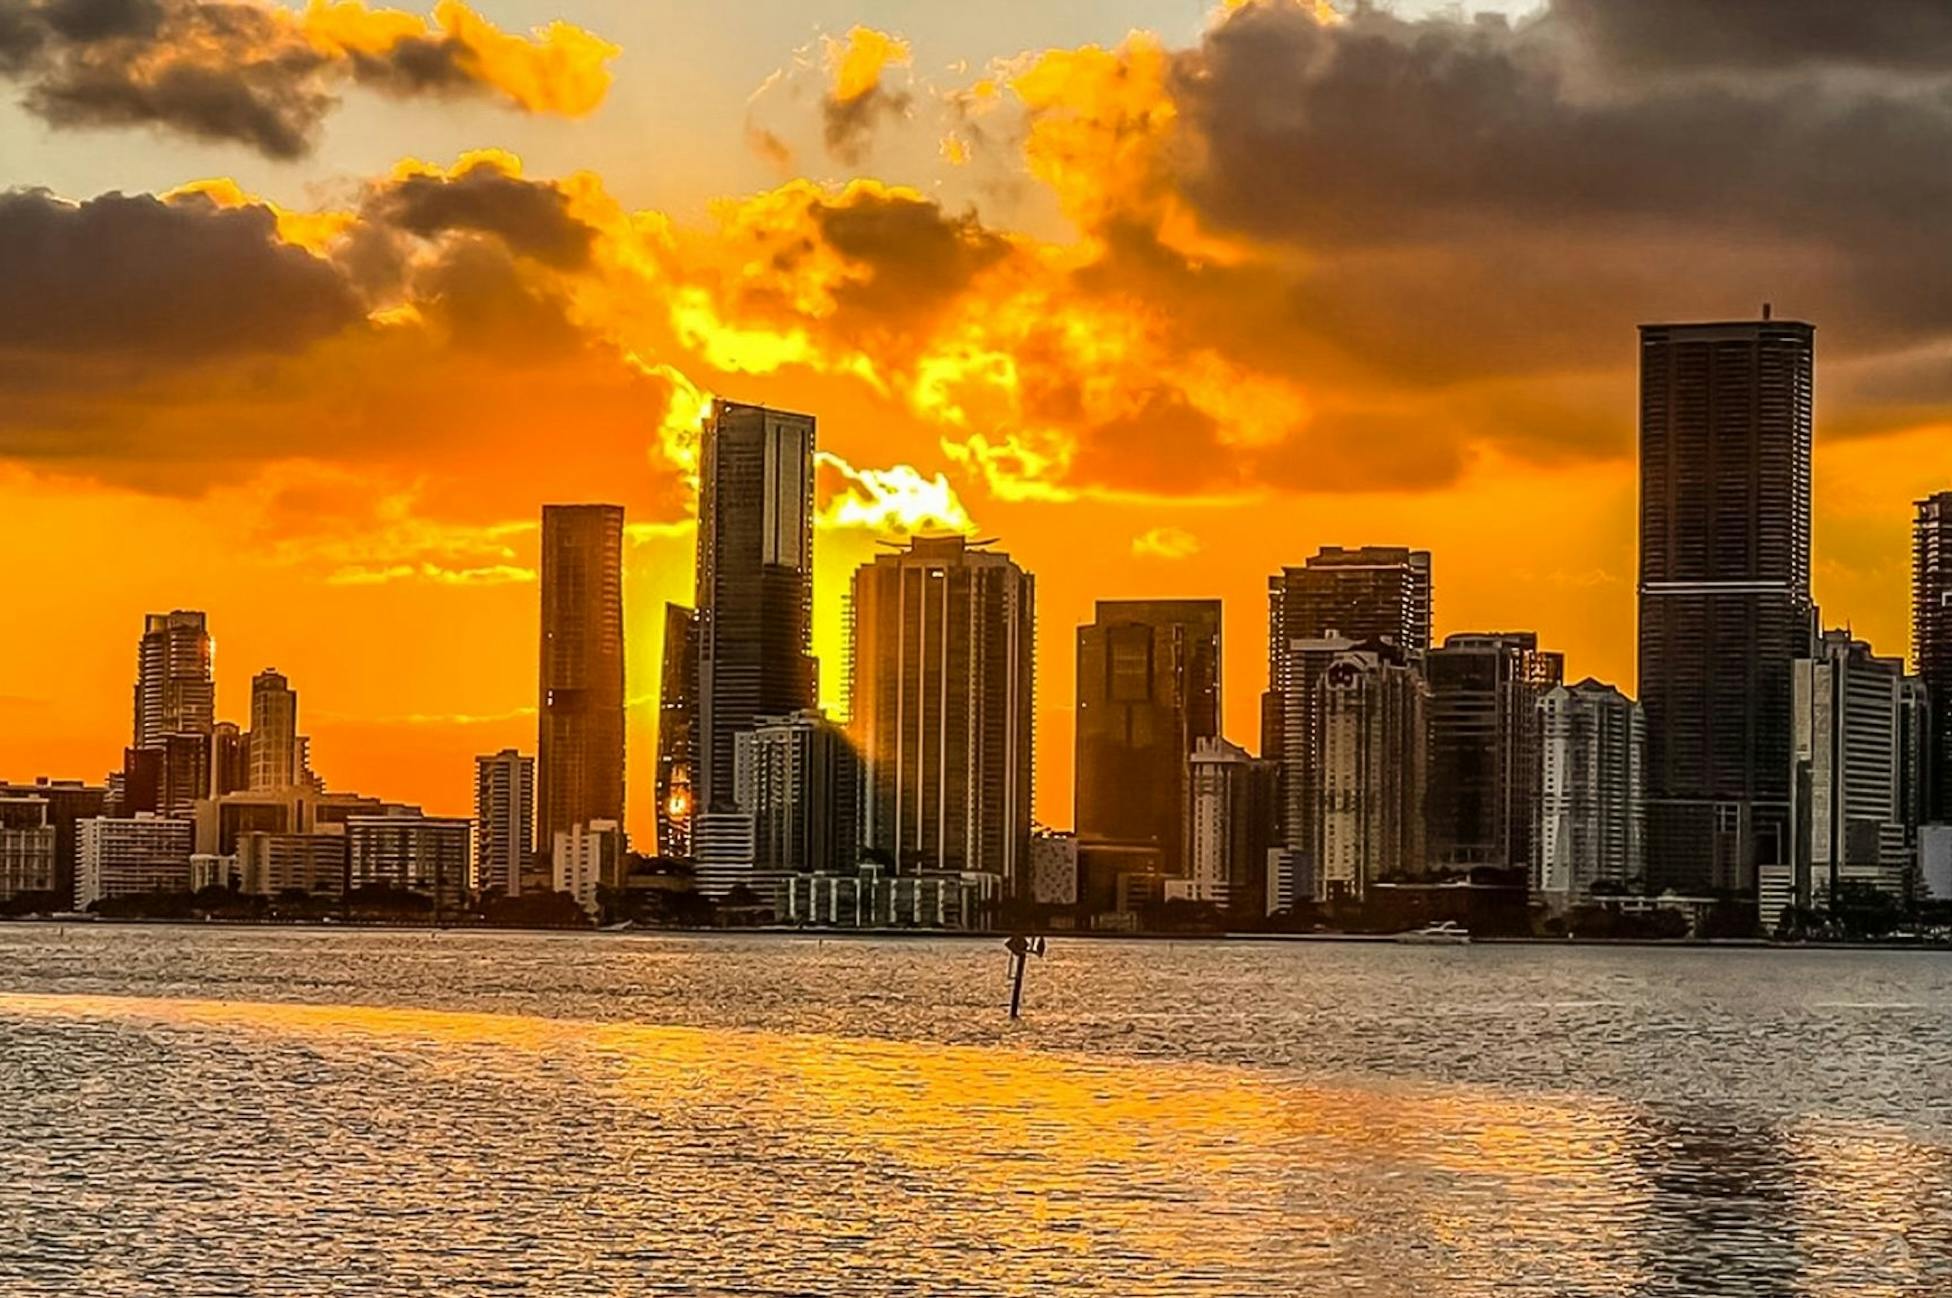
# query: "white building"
[[1369, 815], [1847, 785], [410, 852], [130, 856], [271, 864], [1592, 811], [504, 817], [587, 857], [1229, 824]]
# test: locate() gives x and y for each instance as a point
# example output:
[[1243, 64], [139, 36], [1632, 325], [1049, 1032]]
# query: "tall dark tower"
[[755, 582], [580, 732], [1148, 691], [1931, 643], [677, 731], [1725, 427]]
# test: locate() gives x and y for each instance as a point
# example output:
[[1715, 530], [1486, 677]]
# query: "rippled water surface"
[[188, 1111]]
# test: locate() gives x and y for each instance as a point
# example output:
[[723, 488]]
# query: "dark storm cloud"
[[1762, 34], [132, 274], [847, 125], [920, 255], [263, 75], [531, 217]]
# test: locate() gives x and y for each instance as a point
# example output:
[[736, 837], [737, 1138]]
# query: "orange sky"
[[1163, 313]]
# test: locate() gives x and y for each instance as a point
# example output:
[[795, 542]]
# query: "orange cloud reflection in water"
[[1036, 1168]]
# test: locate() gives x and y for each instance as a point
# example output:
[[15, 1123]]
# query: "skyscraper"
[[1592, 815], [1368, 813], [1371, 593], [677, 732], [1148, 691], [1484, 747], [1931, 643], [942, 674], [504, 818], [755, 582], [274, 731], [580, 731], [175, 692], [798, 777], [1230, 826], [1849, 817], [1725, 428]]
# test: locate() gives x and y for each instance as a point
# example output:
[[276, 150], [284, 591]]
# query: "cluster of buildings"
[[1765, 762]]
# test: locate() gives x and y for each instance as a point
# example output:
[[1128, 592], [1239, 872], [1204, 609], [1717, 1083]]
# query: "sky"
[[305, 310]]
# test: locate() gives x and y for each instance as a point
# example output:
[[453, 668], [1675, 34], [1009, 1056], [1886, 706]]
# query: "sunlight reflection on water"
[[315, 1113]]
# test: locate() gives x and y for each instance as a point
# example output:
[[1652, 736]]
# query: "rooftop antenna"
[[1767, 310]]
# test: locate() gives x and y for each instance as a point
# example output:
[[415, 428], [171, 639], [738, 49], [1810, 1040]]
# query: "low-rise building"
[[587, 857], [274, 864], [876, 897], [413, 853], [28, 861], [126, 856]]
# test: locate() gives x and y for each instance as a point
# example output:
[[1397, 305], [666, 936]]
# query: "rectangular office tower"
[[1148, 692], [1725, 429], [175, 691], [755, 582], [941, 676], [1931, 645], [1484, 747], [580, 728], [677, 732]]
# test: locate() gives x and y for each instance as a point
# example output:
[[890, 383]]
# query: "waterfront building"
[[799, 779], [1053, 868], [1485, 747], [677, 733], [27, 848], [407, 851], [875, 896], [68, 803], [504, 817], [126, 856], [1148, 691], [1231, 808], [1931, 644], [274, 731], [1849, 814], [586, 858], [271, 865], [941, 678], [755, 583], [1724, 593], [302, 809], [580, 727], [1591, 829], [1368, 813]]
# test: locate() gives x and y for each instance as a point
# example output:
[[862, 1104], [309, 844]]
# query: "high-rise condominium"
[[504, 819], [677, 732], [1371, 593], [1148, 692], [799, 780], [580, 734], [1230, 824], [1592, 816], [1368, 813], [1725, 426], [274, 731], [755, 582], [175, 692], [1484, 747], [1931, 643], [1851, 803], [941, 677]]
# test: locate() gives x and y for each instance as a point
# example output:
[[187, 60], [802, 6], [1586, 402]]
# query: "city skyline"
[[1025, 308]]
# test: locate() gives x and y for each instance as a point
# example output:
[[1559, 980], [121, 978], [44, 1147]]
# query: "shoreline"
[[995, 935]]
